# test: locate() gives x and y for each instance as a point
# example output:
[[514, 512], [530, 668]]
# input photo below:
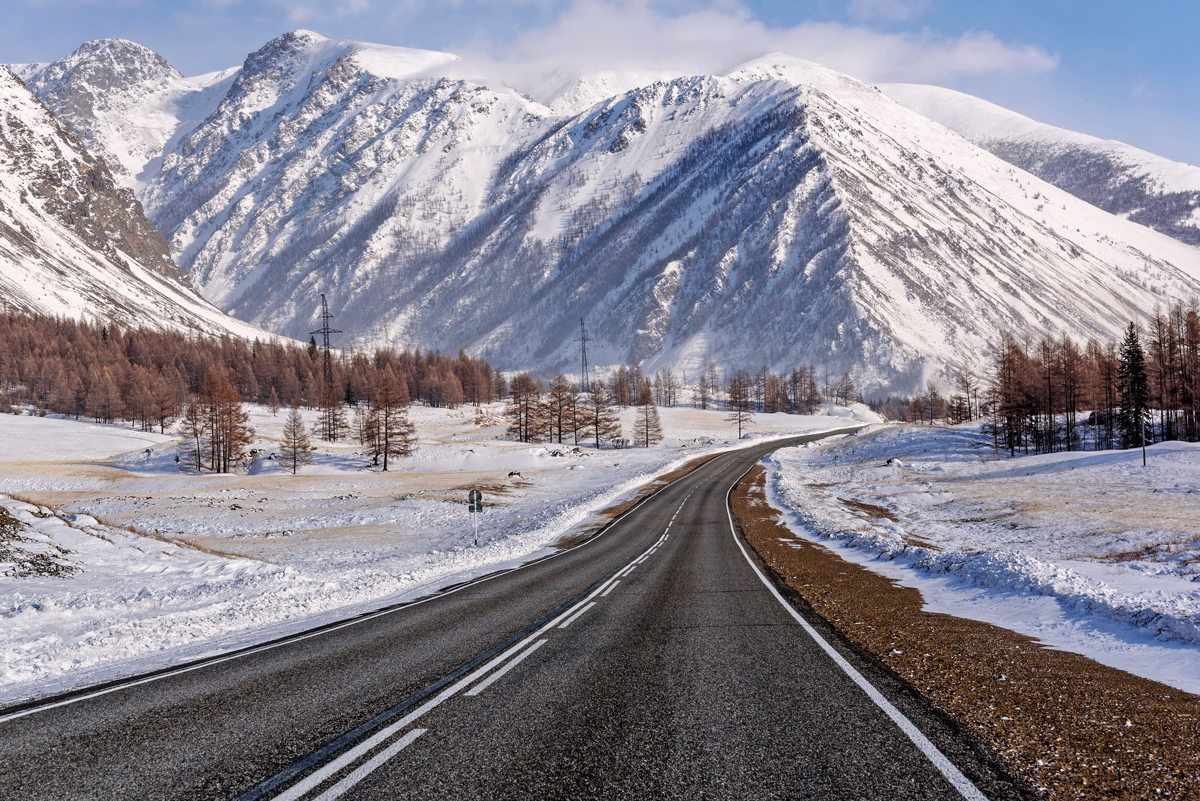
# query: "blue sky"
[[1122, 70]]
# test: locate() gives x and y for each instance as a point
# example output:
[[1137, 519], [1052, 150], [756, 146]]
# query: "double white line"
[[521, 650]]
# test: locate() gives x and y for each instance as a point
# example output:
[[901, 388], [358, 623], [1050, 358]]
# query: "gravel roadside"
[[1068, 725]]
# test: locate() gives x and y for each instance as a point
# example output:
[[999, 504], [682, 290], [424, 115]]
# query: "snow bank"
[[1097, 534]]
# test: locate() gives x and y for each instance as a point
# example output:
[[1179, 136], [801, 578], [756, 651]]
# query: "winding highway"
[[656, 660]]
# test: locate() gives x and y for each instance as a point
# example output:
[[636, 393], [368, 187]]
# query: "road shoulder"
[[1060, 721]]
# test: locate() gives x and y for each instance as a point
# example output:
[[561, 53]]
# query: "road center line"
[[354, 754], [367, 768], [575, 616], [483, 685]]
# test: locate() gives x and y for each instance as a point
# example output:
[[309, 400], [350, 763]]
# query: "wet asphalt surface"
[[686, 679]]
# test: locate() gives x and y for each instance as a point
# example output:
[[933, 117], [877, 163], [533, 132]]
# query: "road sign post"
[[475, 507]]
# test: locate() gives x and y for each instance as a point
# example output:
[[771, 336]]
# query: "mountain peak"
[[72, 241], [304, 49], [106, 64]]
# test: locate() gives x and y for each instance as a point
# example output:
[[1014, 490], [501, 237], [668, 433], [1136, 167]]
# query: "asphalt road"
[[635, 666]]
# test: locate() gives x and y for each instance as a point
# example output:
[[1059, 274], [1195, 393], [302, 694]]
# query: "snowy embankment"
[[1089, 552], [281, 553]]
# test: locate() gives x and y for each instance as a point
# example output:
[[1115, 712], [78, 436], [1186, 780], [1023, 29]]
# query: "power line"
[[583, 340], [325, 331]]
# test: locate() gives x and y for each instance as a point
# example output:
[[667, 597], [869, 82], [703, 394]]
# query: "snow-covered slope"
[[74, 243], [574, 93], [332, 166], [1149, 189], [780, 214], [124, 101]]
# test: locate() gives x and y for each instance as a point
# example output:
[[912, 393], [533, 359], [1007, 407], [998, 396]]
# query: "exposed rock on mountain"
[[72, 242], [780, 214], [124, 101], [1140, 186]]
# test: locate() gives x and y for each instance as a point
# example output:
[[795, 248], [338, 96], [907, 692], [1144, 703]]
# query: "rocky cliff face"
[[125, 102], [74, 242]]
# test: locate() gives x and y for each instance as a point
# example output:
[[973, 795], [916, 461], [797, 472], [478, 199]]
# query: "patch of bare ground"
[[1063, 722], [153, 535], [869, 509], [605, 516]]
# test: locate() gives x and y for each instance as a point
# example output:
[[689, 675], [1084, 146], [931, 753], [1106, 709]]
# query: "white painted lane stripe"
[[483, 685], [960, 782], [354, 754], [575, 616], [610, 589], [367, 768]]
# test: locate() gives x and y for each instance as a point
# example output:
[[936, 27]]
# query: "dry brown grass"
[[869, 509], [26, 499], [14, 550]]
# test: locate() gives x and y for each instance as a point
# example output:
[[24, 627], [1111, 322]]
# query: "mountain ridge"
[[780, 213], [1124, 180]]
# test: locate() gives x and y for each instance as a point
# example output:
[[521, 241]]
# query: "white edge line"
[[610, 589], [483, 685], [576, 616], [960, 782], [367, 768]]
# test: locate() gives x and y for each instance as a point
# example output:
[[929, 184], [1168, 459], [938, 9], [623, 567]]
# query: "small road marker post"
[[475, 507]]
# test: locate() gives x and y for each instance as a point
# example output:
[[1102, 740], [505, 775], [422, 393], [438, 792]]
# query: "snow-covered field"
[[1088, 552], [283, 553]]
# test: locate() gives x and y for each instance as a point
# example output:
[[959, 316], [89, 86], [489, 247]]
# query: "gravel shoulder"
[[1068, 725]]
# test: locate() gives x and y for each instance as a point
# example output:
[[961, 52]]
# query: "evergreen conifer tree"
[[296, 450], [1135, 390]]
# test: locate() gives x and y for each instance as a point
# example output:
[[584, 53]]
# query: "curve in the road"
[[645, 662]]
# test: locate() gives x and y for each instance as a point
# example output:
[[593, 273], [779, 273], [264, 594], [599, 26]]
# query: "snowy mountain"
[[124, 101], [574, 93], [1140, 186], [72, 242], [780, 214]]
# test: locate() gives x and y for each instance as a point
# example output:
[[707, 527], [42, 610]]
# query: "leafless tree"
[[740, 404], [392, 433], [601, 414], [648, 429]]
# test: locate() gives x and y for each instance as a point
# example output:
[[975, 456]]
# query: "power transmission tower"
[[583, 340], [330, 407]]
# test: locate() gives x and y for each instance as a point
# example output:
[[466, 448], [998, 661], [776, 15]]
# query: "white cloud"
[[634, 35]]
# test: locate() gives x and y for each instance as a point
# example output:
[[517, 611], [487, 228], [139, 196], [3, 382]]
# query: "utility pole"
[[584, 385], [329, 402]]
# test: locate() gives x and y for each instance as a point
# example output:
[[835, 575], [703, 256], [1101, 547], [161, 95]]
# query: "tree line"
[[1054, 394], [562, 413], [146, 377], [566, 414], [153, 379]]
